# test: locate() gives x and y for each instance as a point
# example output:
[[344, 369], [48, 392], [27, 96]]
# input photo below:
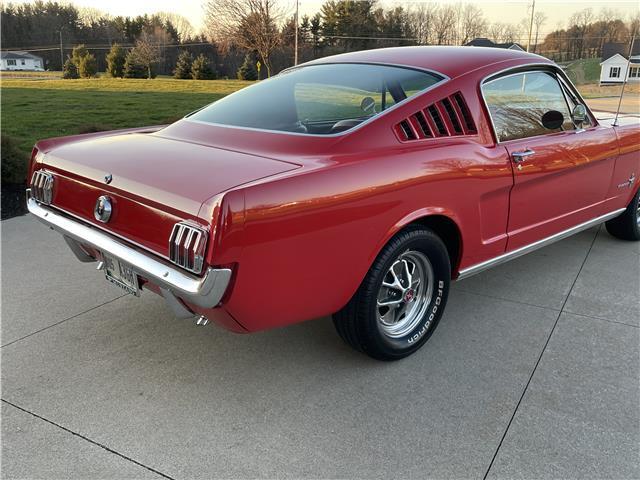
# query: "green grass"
[[584, 71], [33, 109]]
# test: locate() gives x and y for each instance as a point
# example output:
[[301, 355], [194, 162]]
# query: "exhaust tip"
[[202, 320]]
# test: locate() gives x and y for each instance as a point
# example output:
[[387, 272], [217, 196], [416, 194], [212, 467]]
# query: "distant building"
[[485, 42], [20, 61], [615, 61]]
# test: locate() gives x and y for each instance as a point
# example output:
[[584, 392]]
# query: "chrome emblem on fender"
[[107, 178], [102, 210]]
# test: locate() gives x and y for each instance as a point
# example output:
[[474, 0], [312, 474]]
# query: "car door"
[[561, 175]]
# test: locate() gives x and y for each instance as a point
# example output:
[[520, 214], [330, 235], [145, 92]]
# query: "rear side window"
[[518, 102], [319, 99]]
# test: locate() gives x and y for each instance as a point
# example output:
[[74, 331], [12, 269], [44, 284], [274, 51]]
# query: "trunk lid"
[[155, 182]]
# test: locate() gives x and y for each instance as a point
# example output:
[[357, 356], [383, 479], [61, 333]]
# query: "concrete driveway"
[[533, 373]]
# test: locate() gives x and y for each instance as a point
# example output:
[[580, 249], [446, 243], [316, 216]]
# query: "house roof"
[[18, 55], [485, 42], [610, 49]]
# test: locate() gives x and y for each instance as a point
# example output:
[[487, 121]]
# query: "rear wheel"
[[627, 225], [400, 301]]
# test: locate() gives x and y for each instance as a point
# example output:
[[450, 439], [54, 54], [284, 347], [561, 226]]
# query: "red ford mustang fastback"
[[357, 185]]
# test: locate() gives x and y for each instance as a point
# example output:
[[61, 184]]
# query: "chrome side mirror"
[[579, 115]]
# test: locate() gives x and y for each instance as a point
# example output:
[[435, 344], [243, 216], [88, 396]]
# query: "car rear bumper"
[[174, 284]]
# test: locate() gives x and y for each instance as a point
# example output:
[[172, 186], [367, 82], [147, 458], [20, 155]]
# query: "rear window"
[[319, 99]]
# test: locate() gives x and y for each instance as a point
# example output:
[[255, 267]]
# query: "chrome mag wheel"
[[405, 294], [638, 214]]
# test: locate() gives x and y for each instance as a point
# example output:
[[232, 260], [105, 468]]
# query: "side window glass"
[[518, 102]]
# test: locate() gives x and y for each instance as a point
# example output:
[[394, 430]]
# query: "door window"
[[517, 103]]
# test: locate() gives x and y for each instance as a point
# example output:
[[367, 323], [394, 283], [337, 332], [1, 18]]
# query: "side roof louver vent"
[[446, 118]]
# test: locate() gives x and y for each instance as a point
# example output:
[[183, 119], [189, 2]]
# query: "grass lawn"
[[584, 71], [34, 108]]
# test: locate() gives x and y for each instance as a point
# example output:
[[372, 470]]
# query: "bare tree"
[[250, 24], [180, 23], [495, 31], [444, 27], [539, 19], [147, 51], [472, 23], [421, 18]]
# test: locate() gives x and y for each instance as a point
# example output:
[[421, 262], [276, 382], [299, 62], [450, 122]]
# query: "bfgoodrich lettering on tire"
[[402, 298]]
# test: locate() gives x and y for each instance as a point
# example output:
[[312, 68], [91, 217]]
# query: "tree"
[[147, 53], [88, 66], [249, 24], [247, 70], [79, 51], [201, 70], [69, 70], [472, 23], [445, 24], [115, 61], [132, 67], [539, 20], [183, 65]]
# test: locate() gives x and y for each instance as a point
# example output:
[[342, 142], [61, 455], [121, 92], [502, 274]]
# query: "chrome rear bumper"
[[205, 291]]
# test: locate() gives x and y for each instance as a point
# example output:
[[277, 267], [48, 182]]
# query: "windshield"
[[318, 99]]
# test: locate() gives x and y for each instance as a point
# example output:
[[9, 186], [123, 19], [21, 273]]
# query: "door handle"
[[520, 157]]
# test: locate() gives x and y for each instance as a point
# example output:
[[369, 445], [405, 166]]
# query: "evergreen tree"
[[201, 70], [88, 66], [69, 70], [133, 68], [115, 61], [183, 65], [247, 70], [78, 53]]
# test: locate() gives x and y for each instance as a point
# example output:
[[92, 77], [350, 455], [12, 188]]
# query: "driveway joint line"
[[98, 444], [493, 297], [63, 320], [544, 348], [593, 317]]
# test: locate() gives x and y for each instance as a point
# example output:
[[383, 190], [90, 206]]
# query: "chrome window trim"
[[518, 252], [443, 81], [530, 68]]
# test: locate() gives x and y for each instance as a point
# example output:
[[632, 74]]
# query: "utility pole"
[[295, 55], [533, 7], [61, 52], [626, 79]]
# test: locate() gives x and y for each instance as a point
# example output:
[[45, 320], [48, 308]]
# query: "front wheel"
[[401, 300], [627, 225]]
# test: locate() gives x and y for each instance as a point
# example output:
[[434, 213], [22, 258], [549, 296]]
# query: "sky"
[[506, 11]]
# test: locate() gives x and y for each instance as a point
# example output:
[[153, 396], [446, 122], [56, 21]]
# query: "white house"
[[615, 62], [20, 61]]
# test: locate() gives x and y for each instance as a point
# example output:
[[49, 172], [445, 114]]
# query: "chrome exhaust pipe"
[[202, 320]]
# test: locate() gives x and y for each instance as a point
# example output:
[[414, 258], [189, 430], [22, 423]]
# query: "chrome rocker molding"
[[204, 292], [480, 267]]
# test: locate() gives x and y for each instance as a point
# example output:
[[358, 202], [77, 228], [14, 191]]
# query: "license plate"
[[120, 274]]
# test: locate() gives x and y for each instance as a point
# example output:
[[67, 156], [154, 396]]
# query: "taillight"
[[42, 186], [187, 246]]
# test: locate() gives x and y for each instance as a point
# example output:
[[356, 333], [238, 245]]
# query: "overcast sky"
[[506, 11]]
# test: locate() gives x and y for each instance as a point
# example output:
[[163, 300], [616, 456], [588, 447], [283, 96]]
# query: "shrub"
[[183, 65], [133, 68], [14, 161], [69, 70], [247, 70], [115, 61], [201, 70], [88, 66], [79, 51]]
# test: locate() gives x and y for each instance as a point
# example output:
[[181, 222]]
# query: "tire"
[[627, 225], [408, 315]]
